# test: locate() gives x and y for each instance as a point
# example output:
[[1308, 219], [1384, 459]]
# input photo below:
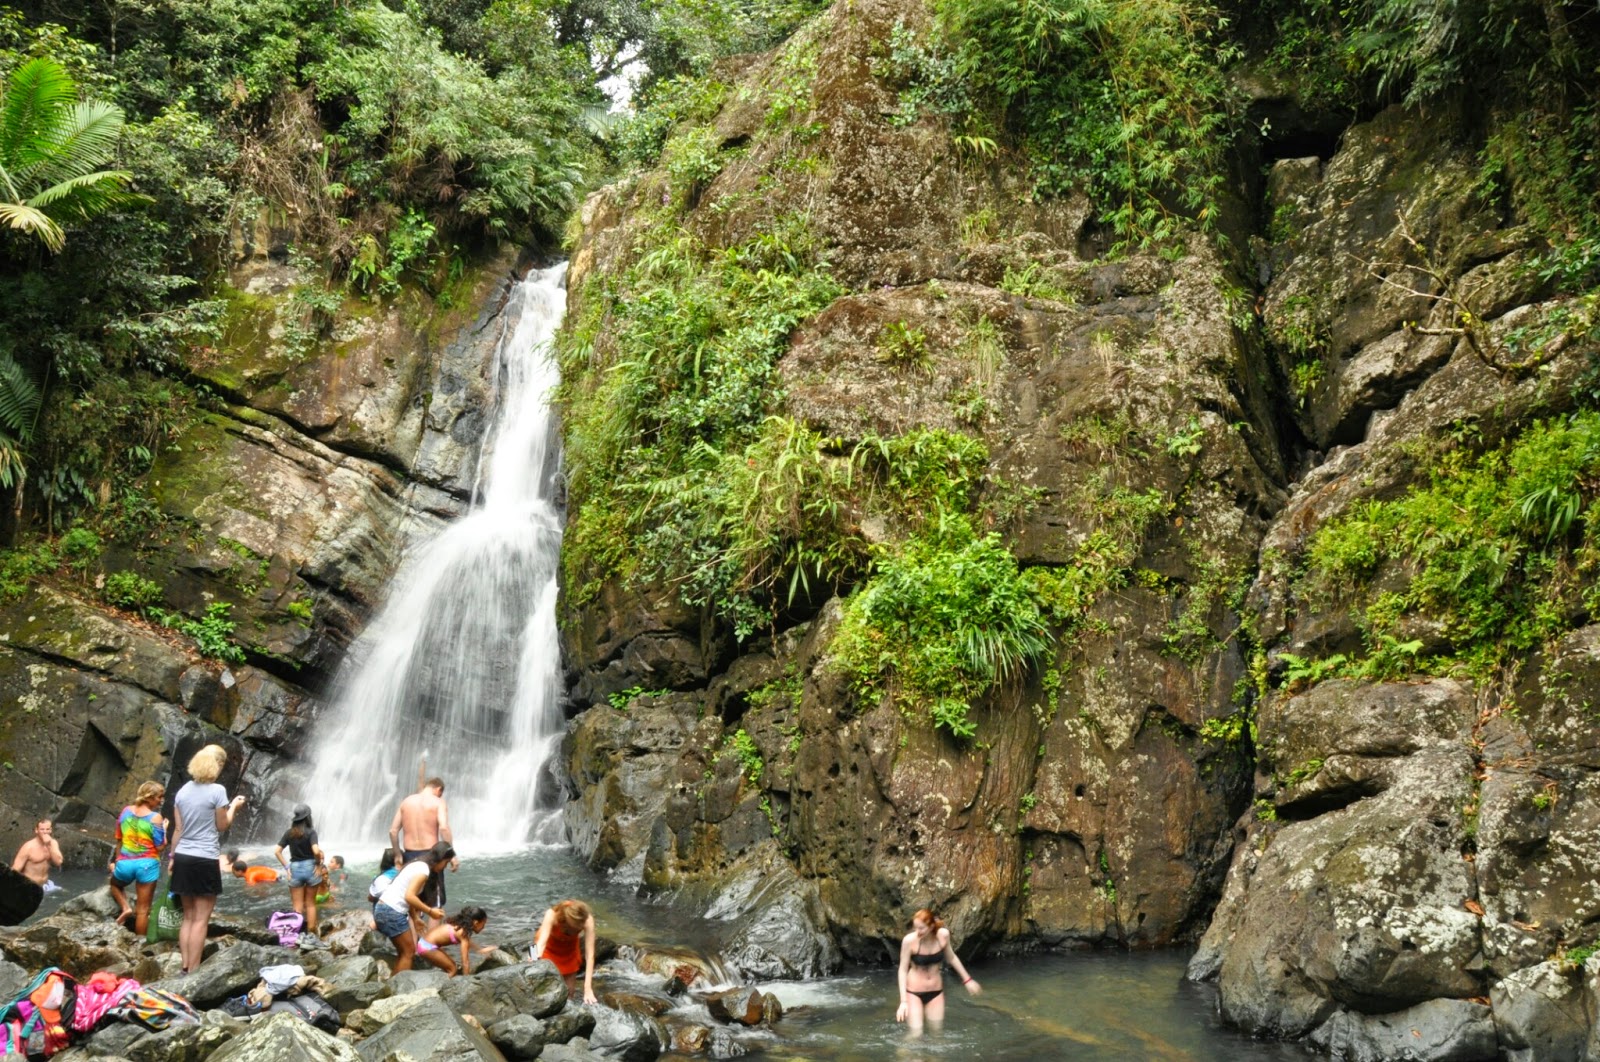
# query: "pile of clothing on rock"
[[288, 988], [55, 1010]]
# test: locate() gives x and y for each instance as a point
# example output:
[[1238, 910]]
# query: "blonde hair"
[[150, 794], [206, 765], [573, 915]]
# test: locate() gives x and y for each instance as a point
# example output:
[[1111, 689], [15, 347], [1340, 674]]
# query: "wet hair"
[[929, 917], [441, 852], [337, 861], [45, 822], [233, 855], [572, 914], [206, 765], [150, 794], [387, 861], [467, 919], [434, 783]]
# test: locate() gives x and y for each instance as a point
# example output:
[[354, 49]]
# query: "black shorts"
[[195, 876], [432, 891]]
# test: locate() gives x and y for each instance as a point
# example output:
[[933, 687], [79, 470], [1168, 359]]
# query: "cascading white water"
[[461, 664]]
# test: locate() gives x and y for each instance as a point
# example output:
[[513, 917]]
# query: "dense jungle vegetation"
[[396, 141]]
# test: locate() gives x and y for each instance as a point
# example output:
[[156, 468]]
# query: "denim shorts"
[[391, 923], [303, 872], [136, 871]]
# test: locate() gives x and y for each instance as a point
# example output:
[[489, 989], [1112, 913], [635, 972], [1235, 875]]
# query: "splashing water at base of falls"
[[461, 664]]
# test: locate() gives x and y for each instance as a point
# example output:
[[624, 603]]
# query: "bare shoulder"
[[944, 936], [908, 941]]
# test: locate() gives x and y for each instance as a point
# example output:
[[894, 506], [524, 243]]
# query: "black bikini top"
[[920, 959]]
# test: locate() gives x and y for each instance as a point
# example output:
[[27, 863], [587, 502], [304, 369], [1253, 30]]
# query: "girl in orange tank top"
[[563, 927]]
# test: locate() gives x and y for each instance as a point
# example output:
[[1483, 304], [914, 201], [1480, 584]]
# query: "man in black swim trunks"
[[423, 820]]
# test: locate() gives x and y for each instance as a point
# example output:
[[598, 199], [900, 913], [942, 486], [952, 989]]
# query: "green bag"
[[166, 915]]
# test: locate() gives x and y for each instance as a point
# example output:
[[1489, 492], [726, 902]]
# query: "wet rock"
[[1363, 907], [357, 980], [112, 1040], [186, 1043], [1543, 1014], [578, 1050], [251, 931], [284, 1038], [386, 1009], [636, 1003], [344, 931], [375, 944], [520, 1037], [626, 1036], [771, 1009], [690, 1039], [569, 1024], [780, 922], [1440, 1030], [742, 1005], [494, 960], [431, 1032], [230, 972], [78, 943], [535, 988], [13, 979], [417, 979], [97, 903]]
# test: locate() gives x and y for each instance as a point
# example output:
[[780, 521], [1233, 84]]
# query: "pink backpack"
[[287, 924]]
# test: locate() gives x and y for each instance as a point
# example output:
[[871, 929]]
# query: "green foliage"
[[131, 590], [1499, 548], [1125, 97], [1299, 673], [623, 698], [903, 346], [52, 146], [79, 548], [677, 468], [212, 633], [1036, 281], [743, 746], [944, 616], [301, 609], [19, 411], [19, 567]]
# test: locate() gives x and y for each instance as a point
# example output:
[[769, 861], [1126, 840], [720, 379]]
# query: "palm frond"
[[12, 466], [36, 95], [86, 140], [33, 222], [19, 400], [85, 195]]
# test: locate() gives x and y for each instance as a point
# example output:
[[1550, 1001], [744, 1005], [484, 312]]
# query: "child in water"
[[458, 930]]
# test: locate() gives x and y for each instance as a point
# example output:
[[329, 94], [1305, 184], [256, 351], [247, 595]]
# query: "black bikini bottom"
[[929, 997]]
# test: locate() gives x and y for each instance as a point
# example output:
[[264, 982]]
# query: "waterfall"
[[461, 664]]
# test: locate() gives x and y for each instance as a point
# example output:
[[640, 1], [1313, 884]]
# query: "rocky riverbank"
[[505, 1010]]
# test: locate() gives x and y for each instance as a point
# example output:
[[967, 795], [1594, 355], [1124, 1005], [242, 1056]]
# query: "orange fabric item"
[[259, 875], [561, 948]]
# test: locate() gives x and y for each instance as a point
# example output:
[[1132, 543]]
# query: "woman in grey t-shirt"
[[201, 810]]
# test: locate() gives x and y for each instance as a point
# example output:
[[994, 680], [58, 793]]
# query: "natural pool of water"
[[1102, 1006]]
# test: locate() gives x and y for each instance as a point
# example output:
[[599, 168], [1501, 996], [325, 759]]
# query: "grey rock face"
[[285, 1038], [1440, 1030], [535, 989], [430, 1032], [230, 972], [520, 1037]]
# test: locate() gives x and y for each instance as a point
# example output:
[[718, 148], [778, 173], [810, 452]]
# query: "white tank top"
[[395, 895]]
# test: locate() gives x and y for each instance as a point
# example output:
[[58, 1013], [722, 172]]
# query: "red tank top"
[[561, 948]]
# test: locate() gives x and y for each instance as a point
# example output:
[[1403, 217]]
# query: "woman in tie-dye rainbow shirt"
[[141, 831]]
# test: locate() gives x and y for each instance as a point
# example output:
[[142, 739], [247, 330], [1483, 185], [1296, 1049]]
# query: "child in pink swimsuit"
[[458, 930]]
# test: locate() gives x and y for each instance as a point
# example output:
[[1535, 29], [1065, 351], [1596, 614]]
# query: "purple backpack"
[[287, 924]]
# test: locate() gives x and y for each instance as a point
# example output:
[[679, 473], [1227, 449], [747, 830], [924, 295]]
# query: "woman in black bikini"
[[923, 951]]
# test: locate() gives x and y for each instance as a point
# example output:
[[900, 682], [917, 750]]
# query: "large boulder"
[[536, 989], [232, 971], [1440, 1030], [627, 1036], [285, 1038], [431, 1032]]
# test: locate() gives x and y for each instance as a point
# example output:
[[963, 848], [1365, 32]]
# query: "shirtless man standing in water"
[[38, 854], [423, 819]]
